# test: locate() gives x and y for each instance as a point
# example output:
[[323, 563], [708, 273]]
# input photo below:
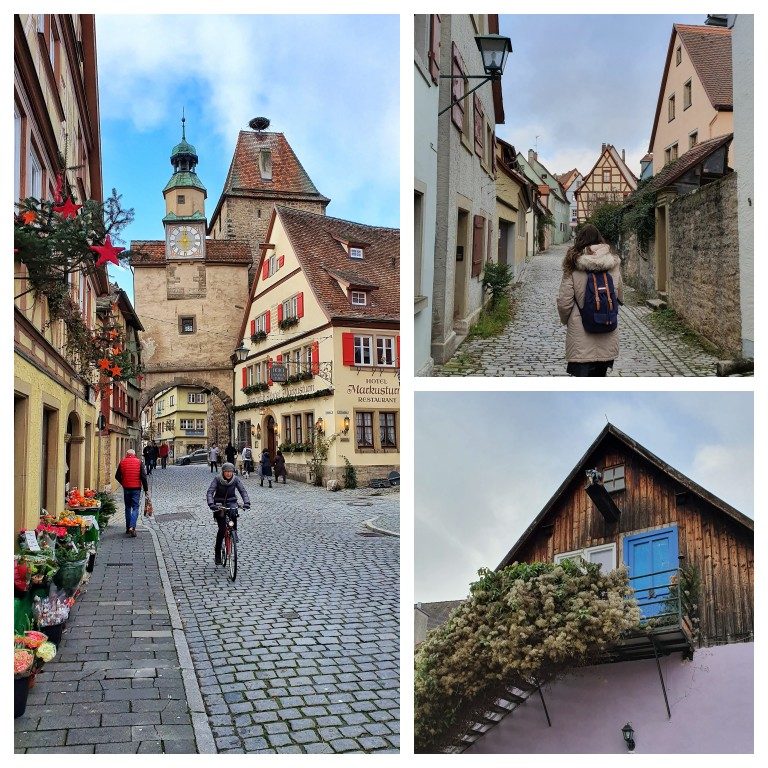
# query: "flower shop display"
[[86, 500], [51, 613], [72, 556], [31, 651]]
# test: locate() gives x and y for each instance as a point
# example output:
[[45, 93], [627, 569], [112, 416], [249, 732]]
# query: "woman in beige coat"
[[588, 354]]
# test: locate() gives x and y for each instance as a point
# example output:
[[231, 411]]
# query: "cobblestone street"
[[300, 654], [533, 343]]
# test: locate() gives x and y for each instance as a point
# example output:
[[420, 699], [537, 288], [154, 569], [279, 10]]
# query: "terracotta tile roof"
[[288, 174], [710, 52], [647, 157], [670, 173], [150, 253], [315, 241], [566, 179]]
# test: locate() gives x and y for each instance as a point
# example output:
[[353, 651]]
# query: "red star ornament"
[[113, 334], [116, 370], [68, 210], [28, 217], [104, 363], [107, 252]]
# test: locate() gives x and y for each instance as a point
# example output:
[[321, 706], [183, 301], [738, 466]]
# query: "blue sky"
[[487, 462], [330, 83], [579, 81]]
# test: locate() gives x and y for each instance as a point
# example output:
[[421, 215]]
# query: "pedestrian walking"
[[247, 460], [162, 452], [230, 453], [132, 475], [591, 277], [223, 490], [147, 453], [280, 467], [155, 454], [213, 457], [266, 468]]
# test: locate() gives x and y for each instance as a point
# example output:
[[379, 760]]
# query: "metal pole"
[[479, 85], [661, 677], [543, 704]]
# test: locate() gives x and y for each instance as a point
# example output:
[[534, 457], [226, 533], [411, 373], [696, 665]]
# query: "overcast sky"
[[579, 81], [486, 463], [330, 83]]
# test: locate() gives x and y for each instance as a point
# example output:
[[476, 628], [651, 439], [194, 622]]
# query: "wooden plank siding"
[[720, 548]]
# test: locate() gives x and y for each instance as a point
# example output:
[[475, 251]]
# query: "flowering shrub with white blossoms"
[[523, 625]]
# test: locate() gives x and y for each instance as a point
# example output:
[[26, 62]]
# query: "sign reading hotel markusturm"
[[278, 373]]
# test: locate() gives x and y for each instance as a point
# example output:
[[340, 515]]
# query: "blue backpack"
[[600, 313]]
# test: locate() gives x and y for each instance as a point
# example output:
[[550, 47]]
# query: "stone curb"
[[202, 728], [370, 525]]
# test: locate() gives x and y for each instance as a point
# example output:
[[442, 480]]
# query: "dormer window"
[[265, 164], [613, 478], [355, 253], [359, 298]]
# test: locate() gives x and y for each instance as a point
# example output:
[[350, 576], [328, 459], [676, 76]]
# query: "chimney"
[[603, 149], [532, 156], [623, 158]]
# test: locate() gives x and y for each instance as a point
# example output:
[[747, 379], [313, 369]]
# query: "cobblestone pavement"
[[116, 684], [533, 343], [301, 653]]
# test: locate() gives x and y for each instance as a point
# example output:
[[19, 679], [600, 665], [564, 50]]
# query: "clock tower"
[[184, 205]]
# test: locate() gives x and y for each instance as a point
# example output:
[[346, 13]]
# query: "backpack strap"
[[608, 292], [597, 293]]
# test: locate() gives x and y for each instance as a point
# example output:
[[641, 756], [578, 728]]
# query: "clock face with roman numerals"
[[185, 241]]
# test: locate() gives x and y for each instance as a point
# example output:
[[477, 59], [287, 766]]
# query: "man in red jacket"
[[162, 452], [132, 475]]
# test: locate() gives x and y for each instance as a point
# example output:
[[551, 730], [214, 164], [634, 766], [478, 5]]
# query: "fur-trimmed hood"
[[599, 260]]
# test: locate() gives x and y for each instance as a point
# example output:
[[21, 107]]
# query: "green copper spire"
[[184, 159]]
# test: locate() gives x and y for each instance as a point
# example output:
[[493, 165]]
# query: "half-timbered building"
[[684, 678], [609, 181]]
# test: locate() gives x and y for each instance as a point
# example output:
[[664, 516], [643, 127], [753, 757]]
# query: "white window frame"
[[272, 265], [196, 397], [199, 423], [308, 358], [35, 175], [296, 359], [356, 297], [387, 345], [171, 401], [587, 551], [260, 323], [614, 477], [291, 307], [363, 345], [356, 253]]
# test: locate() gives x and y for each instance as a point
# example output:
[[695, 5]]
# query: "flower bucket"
[[91, 562], [70, 574], [54, 632], [20, 693]]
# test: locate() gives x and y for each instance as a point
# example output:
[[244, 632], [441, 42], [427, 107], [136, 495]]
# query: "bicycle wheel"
[[223, 551], [232, 557]]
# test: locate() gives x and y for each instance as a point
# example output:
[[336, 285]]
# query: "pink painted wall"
[[711, 699]]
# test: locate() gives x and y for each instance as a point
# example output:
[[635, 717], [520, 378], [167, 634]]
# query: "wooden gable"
[[607, 182], [711, 536]]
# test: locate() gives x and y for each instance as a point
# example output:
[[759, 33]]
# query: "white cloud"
[[726, 471]]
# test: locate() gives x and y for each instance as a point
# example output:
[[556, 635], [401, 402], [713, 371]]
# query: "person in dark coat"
[[147, 452], [155, 452], [132, 475], [280, 467], [223, 490], [230, 453], [266, 468]]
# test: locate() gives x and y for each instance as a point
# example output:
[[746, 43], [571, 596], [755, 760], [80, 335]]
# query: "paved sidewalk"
[[117, 683], [533, 344]]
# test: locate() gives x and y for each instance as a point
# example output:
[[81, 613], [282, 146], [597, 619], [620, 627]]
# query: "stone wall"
[[218, 422], [638, 265], [298, 470], [704, 263]]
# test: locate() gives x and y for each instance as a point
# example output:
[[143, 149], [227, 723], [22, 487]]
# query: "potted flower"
[[23, 663], [72, 558], [51, 614]]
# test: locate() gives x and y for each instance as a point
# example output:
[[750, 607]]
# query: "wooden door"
[[651, 558]]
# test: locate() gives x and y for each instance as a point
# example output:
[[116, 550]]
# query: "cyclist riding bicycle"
[[223, 490]]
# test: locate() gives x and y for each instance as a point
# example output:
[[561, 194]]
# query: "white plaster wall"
[[426, 95], [742, 39]]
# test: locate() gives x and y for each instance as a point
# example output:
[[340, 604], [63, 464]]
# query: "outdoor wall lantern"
[[319, 426], [346, 424], [629, 736], [494, 50], [241, 352]]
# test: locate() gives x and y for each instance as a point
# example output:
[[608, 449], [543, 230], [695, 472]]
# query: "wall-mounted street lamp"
[[319, 426], [629, 736], [494, 50], [241, 352], [346, 424]]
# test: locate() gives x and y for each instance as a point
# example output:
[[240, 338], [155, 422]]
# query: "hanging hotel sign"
[[278, 373]]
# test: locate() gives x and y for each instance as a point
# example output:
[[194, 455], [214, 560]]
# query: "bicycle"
[[228, 551]]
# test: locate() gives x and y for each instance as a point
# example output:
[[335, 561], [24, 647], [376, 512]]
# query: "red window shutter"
[[267, 318], [315, 358], [279, 359], [458, 86], [245, 377], [253, 327], [434, 47], [265, 269], [479, 126], [279, 313], [477, 245], [300, 305], [397, 351], [348, 348], [281, 262]]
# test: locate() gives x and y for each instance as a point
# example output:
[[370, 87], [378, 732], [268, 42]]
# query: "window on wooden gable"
[[606, 175], [613, 478], [604, 555], [359, 298], [687, 95]]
